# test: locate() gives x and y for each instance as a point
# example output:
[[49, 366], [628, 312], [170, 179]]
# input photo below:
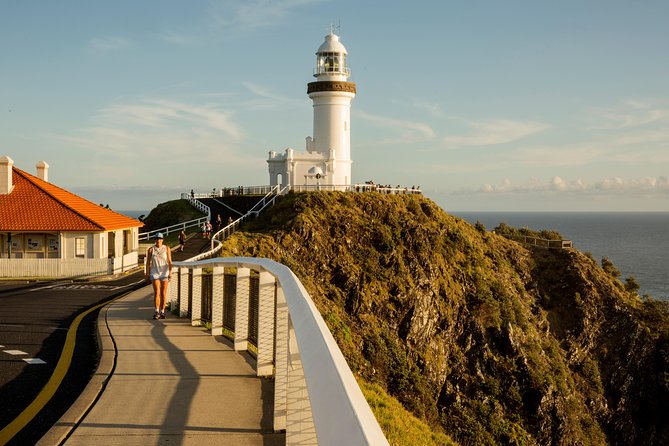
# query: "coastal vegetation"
[[170, 213], [480, 338]]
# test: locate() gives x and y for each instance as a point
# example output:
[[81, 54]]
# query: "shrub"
[[609, 267], [631, 284], [480, 227]]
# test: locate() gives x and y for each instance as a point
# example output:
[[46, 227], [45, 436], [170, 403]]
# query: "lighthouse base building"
[[326, 163]]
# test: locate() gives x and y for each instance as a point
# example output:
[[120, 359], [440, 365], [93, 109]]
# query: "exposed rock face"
[[477, 335]]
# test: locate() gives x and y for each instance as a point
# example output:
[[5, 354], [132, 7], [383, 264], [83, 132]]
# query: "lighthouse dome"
[[332, 45], [331, 64]]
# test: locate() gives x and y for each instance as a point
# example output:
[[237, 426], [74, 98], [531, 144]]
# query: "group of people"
[[227, 191], [206, 230], [370, 186]]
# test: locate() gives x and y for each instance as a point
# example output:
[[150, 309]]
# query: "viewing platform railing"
[[259, 302], [264, 190], [541, 242]]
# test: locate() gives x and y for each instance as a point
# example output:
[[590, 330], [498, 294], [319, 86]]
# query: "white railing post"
[[316, 397], [281, 360], [217, 301], [183, 292], [300, 429], [196, 310], [266, 292], [242, 308], [173, 292]]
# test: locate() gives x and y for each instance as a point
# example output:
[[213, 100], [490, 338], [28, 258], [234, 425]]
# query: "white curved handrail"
[[340, 412]]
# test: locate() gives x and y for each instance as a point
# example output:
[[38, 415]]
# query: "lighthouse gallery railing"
[[316, 397]]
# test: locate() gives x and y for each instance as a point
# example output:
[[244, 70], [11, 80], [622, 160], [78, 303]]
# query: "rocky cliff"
[[480, 337]]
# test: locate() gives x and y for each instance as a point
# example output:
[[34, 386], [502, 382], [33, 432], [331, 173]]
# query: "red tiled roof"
[[37, 205]]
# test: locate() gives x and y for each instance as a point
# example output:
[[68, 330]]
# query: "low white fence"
[[317, 400], [175, 228], [124, 263], [228, 191], [30, 268]]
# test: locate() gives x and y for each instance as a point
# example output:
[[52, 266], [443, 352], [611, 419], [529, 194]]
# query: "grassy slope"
[[170, 213], [472, 333]]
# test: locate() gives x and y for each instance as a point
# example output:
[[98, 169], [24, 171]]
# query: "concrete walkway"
[[172, 384]]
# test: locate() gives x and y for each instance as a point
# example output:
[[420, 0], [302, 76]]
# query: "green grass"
[[399, 426]]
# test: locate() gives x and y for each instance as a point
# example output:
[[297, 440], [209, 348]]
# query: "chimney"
[[6, 167], [42, 171]]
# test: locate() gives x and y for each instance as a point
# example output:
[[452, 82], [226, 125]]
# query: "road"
[[34, 322]]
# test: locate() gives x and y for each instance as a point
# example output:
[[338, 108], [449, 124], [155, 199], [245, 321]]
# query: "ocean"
[[636, 242], [135, 214]]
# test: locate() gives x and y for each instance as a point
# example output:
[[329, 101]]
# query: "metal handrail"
[[218, 237], [317, 399], [177, 227], [183, 225]]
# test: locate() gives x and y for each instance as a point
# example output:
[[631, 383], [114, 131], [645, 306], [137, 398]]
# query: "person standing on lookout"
[[158, 271]]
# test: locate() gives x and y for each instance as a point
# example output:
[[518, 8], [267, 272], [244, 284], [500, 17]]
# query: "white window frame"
[[80, 247]]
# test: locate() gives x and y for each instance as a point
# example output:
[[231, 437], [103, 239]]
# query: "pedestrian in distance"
[[158, 271], [182, 240]]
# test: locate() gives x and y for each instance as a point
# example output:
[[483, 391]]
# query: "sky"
[[486, 105]]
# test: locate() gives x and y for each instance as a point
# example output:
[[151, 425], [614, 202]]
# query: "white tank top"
[[159, 265]]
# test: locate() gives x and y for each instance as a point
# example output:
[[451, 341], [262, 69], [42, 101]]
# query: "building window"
[[80, 247]]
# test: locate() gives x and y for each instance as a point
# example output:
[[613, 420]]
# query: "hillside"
[[170, 213], [479, 337]]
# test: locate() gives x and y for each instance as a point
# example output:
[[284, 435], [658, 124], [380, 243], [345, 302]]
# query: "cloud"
[[558, 155], [178, 38], [159, 127], [495, 131], [269, 99], [225, 18], [252, 14], [559, 185], [629, 114], [410, 131], [105, 44]]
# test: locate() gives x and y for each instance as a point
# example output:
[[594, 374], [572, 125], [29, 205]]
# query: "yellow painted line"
[[54, 382]]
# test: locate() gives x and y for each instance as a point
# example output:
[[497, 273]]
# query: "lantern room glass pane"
[[331, 63]]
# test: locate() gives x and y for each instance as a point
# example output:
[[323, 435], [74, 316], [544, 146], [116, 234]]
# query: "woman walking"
[[158, 270], [182, 240]]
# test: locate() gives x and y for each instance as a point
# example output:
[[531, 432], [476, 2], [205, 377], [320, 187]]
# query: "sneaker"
[[162, 315], [156, 315]]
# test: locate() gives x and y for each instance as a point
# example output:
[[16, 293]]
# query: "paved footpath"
[[172, 384]]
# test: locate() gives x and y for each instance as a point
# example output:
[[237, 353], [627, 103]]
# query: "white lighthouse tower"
[[327, 161]]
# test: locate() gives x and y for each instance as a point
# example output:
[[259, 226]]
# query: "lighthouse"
[[326, 164]]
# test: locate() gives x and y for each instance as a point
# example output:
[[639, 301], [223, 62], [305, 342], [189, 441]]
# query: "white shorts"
[[158, 276]]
